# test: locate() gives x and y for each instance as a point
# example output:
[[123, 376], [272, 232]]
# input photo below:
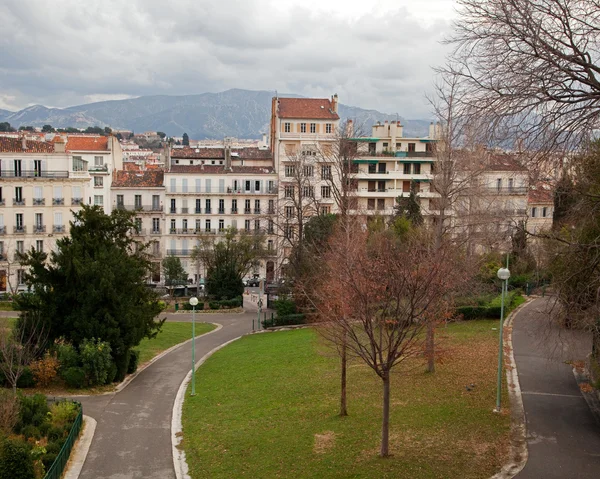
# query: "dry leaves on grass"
[[324, 442]]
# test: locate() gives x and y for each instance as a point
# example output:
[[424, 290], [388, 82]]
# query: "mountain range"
[[237, 113]]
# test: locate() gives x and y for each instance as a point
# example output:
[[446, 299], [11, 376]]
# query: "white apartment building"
[[144, 193], [40, 188], [540, 203], [211, 189]]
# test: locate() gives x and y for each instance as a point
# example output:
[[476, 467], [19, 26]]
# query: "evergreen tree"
[[409, 208], [174, 272], [185, 140]]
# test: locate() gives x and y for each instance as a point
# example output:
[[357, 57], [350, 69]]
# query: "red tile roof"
[[504, 162], [307, 108], [219, 153], [15, 145], [541, 193], [220, 169], [138, 179], [87, 143]]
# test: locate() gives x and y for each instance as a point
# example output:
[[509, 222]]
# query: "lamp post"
[[503, 274], [193, 302]]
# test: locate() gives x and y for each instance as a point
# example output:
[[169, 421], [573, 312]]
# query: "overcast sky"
[[373, 53]]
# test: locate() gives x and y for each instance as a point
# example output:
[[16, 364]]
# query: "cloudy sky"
[[373, 53]]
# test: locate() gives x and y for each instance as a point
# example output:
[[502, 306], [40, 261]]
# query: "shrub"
[[134, 357], [44, 370], [112, 373], [95, 360], [284, 307], [44, 428], [9, 411], [31, 407], [63, 413], [56, 434], [188, 307], [53, 447], [49, 458], [214, 304], [162, 305], [16, 461], [75, 377], [68, 357], [26, 379], [289, 320], [31, 431]]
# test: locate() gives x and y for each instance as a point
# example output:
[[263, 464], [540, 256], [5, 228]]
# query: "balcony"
[[256, 211], [76, 201], [514, 190], [155, 231], [247, 211], [58, 229], [58, 201], [185, 211], [234, 211], [98, 168], [173, 210], [271, 211], [138, 232], [2, 230], [178, 252], [34, 174], [198, 211], [39, 201], [20, 230], [39, 229], [140, 207], [221, 211], [18, 202], [2, 202], [265, 190], [207, 211]]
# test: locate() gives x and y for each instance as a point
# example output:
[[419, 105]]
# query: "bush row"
[[491, 310], [287, 320], [222, 304]]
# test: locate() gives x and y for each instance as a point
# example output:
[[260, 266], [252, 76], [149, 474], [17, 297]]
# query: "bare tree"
[[377, 295], [531, 66], [21, 344]]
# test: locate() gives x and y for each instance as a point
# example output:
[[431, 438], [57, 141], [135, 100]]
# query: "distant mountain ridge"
[[237, 113]]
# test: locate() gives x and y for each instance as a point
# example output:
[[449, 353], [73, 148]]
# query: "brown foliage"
[[45, 369], [9, 411]]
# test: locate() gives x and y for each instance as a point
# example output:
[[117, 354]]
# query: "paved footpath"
[[133, 435], [563, 438]]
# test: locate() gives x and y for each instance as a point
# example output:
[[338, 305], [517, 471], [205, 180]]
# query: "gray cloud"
[[63, 53]]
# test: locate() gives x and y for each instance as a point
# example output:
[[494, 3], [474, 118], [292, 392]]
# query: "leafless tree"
[[377, 295], [21, 344], [531, 66]]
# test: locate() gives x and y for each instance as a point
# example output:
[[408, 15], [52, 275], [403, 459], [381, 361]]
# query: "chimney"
[[227, 151], [264, 140], [23, 142], [334, 103], [349, 128], [60, 146], [431, 130]]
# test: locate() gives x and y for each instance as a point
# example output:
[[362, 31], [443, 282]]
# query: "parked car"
[[253, 282]]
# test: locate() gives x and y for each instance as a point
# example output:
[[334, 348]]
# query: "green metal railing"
[[59, 464]]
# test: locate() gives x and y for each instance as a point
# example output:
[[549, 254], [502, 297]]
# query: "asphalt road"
[[563, 437]]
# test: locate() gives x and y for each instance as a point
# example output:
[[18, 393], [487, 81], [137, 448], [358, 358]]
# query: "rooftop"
[[138, 179], [504, 162], [87, 143], [219, 153], [541, 193], [15, 145], [220, 169], [307, 108]]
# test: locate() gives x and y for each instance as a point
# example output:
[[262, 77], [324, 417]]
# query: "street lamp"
[[503, 274], [193, 303]]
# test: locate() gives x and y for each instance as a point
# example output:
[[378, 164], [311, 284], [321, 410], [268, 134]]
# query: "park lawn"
[[172, 333], [266, 406], [6, 306]]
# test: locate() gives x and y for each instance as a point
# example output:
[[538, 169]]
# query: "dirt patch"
[[324, 442]]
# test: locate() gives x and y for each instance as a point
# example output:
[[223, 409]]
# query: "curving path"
[[563, 438], [133, 434]]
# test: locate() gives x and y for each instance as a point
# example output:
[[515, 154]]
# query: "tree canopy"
[[185, 140], [93, 285]]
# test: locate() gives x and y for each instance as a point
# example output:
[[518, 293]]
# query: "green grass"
[[172, 333], [266, 407], [6, 306]]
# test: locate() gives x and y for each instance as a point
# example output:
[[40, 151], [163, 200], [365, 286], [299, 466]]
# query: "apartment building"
[[540, 203], [144, 193], [40, 188], [211, 189], [388, 163]]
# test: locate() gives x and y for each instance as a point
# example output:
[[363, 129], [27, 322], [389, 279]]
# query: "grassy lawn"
[[266, 407], [6, 306], [172, 333]]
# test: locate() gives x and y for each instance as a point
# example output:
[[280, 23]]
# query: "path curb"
[[518, 443], [179, 461], [81, 449]]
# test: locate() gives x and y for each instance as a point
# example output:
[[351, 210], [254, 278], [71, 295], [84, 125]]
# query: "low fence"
[[58, 466]]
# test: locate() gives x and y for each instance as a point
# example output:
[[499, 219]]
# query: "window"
[[184, 185], [328, 128], [385, 146], [411, 147], [309, 152], [256, 207], [17, 164], [247, 225], [257, 185], [302, 127], [287, 127], [173, 226], [270, 187], [207, 226], [76, 191], [99, 200], [417, 168], [325, 192], [18, 194], [173, 205], [308, 191], [138, 201], [184, 225], [325, 210], [19, 221], [544, 212], [407, 168], [21, 276], [207, 209], [510, 184], [156, 203], [98, 181], [156, 225], [256, 225], [371, 204], [58, 221], [271, 207], [288, 232], [313, 127], [234, 206], [198, 205], [98, 161], [39, 221], [38, 194], [79, 164], [221, 225], [198, 225], [20, 247], [290, 170], [247, 207], [289, 211], [37, 167], [326, 172], [499, 184], [221, 207], [1, 197], [533, 212], [270, 227], [381, 204], [288, 191], [270, 245], [309, 171], [247, 185]]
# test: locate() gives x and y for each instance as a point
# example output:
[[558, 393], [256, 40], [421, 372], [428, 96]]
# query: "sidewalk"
[[563, 438]]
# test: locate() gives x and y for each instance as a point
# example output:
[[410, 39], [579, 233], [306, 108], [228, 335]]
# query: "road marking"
[[536, 393]]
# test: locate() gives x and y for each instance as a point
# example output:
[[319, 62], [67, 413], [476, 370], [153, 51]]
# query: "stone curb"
[[518, 442], [590, 394], [81, 449], [179, 461]]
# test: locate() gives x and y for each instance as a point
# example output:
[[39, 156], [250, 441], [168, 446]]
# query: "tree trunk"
[[343, 406], [430, 348], [385, 423]]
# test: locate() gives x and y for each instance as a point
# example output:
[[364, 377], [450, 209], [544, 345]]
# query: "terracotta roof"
[[15, 145], [219, 153], [87, 143], [220, 169], [138, 179], [307, 108], [541, 193], [504, 162], [128, 166]]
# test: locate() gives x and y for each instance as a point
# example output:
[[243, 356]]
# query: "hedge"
[[491, 310], [287, 320]]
